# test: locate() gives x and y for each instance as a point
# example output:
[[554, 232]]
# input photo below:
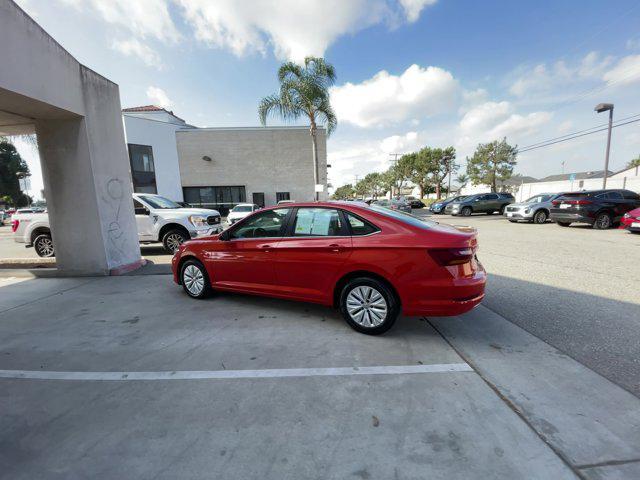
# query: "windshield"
[[538, 199], [404, 217], [242, 208], [160, 202]]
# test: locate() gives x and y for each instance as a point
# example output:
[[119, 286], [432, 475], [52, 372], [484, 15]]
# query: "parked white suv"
[[240, 211], [158, 219]]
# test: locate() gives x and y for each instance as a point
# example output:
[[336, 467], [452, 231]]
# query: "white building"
[[150, 133], [627, 178], [220, 167]]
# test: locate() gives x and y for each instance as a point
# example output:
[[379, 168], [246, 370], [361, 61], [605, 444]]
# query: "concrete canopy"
[[75, 113]]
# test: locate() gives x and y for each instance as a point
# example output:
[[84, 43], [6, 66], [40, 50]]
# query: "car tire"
[[369, 306], [490, 212], [465, 212], [173, 239], [603, 221], [502, 208], [195, 280], [43, 245], [564, 224], [540, 217]]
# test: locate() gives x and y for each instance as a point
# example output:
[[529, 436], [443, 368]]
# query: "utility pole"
[[603, 107], [449, 187], [394, 162]]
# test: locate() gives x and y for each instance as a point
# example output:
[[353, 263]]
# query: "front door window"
[[266, 225]]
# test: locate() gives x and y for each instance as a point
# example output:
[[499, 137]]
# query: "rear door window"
[[615, 195], [318, 222]]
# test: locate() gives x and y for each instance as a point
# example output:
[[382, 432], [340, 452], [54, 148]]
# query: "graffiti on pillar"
[[115, 235]]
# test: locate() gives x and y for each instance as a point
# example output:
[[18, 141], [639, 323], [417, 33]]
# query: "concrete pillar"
[[85, 168]]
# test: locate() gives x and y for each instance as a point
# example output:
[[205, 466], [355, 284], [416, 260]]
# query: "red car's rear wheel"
[[369, 306]]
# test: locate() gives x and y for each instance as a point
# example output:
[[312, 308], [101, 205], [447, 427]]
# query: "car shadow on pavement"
[[599, 332], [318, 313]]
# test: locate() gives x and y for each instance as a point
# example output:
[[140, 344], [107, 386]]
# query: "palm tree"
[[304, 92]]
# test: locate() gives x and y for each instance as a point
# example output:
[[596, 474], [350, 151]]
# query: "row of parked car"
[[601, 209]]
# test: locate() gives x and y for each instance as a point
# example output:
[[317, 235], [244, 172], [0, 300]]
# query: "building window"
[[282, 196], [143, 172], [222, 199], [258, 199]]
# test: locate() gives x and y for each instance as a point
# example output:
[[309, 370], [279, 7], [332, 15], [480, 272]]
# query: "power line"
[[575, 136], [580, 131]]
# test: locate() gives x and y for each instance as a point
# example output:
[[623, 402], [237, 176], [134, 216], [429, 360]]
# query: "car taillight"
[[452, 256], [14, 225], [556, 202], [579, 202]]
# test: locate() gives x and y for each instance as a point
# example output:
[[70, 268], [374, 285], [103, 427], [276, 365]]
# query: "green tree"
[[304, 92], [12, 167], [344, 192], [376, 184], [492, 163], [398, 174], [442, 162], [634, 163]]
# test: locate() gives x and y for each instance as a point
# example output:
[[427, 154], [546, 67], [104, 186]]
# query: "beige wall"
[[262, 159], [76, 115]]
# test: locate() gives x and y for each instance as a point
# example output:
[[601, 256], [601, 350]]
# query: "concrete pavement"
[[575, 288], [435, 424]]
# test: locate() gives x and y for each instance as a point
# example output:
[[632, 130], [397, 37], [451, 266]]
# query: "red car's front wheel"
[[194, 279]]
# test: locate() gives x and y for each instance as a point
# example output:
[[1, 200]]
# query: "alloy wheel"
[[45, 247], [366, 306], [540, 217], [174, 240], [193, 280], [603, 221]]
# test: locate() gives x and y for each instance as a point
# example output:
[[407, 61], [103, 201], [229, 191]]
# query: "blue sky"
[[410, 72]]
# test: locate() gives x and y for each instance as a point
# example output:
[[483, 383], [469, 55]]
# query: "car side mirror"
[[142, 211]]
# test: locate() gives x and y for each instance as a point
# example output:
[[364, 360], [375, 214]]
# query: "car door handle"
[[265, 248], [335, 247]]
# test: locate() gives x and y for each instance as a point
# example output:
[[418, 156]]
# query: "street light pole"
[[603, 107]]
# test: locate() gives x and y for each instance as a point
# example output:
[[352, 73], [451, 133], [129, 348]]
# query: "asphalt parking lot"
[[126, 377]]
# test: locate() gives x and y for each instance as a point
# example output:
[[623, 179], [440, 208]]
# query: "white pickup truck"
[[158, 218]]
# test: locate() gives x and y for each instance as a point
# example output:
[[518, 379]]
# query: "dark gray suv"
[[480, 203]]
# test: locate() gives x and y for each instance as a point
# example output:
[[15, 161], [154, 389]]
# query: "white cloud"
[[134, 47], [633, 43], [494, 120], [386, 98], [482, 117], [400, 143], [144, 18], [293, 28], [543, 78], [625, 71], [159, 97], [413, 8]]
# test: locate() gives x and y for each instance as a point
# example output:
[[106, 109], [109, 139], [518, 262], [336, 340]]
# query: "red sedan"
[[371, 262], [631, 221]]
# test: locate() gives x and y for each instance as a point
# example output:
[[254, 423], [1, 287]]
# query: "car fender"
[[368, 268]]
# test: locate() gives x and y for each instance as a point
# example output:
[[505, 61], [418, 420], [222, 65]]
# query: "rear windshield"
[[404, 217], [242, 208]]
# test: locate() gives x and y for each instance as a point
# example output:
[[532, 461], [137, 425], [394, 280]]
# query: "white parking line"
[[235, 374]]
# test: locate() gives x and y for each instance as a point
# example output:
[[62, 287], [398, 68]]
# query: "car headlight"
[[526, 211], [198, 221]]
